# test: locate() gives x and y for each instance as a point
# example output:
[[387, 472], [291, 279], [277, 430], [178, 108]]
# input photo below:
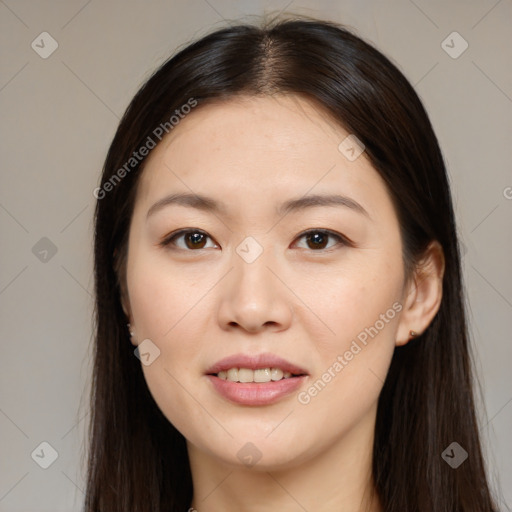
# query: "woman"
[[276, 238]]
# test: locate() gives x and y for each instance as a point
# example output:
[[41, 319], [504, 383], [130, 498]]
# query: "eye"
[[317, 239], [192, 238]]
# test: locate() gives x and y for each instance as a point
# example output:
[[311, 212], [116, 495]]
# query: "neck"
[[336, 477]]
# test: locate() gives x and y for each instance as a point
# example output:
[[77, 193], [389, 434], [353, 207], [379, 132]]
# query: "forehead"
[[248, 145], [283, 122]]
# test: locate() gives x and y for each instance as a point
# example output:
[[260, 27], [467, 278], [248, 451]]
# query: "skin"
[[303, 303]]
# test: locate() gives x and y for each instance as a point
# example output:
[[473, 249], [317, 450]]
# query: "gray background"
[[58, 117]]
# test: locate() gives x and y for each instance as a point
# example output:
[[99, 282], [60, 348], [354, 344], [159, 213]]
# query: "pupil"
[[318, 239], [196, 239]]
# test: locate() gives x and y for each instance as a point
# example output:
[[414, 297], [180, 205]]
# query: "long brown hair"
[[137, 460]]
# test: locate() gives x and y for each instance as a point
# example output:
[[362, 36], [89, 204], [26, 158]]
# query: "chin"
[[257, 453]]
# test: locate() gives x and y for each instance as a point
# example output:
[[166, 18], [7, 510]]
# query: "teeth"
[[263, 375], [232, 374], [245, 375], [248, 375], [277, 373]]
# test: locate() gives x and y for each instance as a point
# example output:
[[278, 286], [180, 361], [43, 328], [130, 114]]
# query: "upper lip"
[[254, 362]]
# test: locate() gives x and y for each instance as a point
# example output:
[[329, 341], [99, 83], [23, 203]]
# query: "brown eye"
[[317, 240], [195, 240], [187, 239]]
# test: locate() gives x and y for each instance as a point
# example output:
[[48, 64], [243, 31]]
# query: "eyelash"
[[170, 239]]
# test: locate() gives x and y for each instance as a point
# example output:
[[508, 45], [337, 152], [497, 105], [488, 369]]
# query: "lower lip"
[[256, 393]]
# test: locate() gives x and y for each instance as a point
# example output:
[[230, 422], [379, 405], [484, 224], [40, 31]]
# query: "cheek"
[[162, 296], [355, 341], [165, 304], [351, 301], [173, 395], [352, 363]]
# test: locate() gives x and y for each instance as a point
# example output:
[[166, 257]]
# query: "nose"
[[253, 298]]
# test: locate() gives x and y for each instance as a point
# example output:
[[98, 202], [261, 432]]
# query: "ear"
[[423, 294], [125, 304], [123, 292], [131, 326]]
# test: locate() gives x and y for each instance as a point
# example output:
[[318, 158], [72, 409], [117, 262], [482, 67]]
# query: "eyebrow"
[[209, 204]]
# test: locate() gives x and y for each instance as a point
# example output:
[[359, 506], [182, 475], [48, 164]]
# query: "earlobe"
[[131, 330], [423, 295], [125, 304]]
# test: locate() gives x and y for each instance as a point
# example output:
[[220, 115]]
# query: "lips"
[[255, 393]]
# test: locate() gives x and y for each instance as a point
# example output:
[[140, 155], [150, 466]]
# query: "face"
[[249, 270]]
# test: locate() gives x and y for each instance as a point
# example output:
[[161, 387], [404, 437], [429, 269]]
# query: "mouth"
[[255, 380], [258, 375]]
